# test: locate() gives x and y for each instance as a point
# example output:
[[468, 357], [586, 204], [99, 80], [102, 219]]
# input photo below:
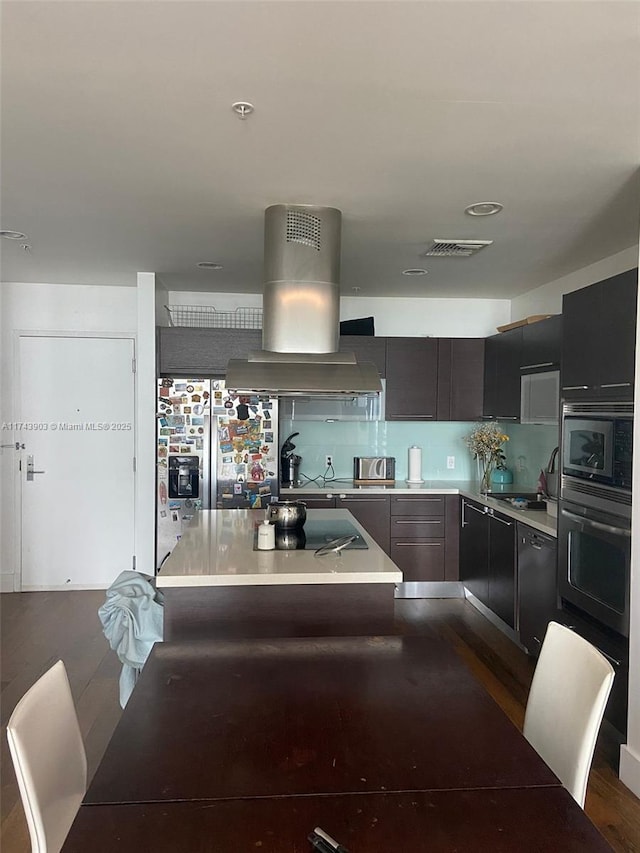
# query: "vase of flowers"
[[485, 442]]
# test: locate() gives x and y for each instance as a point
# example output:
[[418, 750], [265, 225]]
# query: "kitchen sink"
[[531, 498]]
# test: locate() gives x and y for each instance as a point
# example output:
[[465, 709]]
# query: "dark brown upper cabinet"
[[503, 354], [460, 379], [541, 345], [598, 340], [412, 379]]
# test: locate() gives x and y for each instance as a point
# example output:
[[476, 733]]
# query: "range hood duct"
[[301, 312]]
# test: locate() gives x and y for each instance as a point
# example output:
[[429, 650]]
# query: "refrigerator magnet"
[[164, 391], [198, 409], [184, 448], [268, 436], [267, 425], [187, 410], [237, 488], [167, 383], [197, 421], [174, 448], [181, 386], [227, 460], [195, 398], [190, 389], [205, 395]]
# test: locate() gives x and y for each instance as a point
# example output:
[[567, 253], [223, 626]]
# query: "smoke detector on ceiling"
[[455, 248]]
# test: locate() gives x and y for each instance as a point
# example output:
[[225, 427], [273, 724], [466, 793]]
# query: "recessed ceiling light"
[[13, 235], [209, 265], [415, 272], [483, 208], [242, 108]]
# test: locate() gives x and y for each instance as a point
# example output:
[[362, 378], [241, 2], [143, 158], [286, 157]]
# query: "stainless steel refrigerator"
[[214, 451]]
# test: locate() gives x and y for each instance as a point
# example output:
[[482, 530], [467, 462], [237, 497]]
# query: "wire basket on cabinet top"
[[208, 317]]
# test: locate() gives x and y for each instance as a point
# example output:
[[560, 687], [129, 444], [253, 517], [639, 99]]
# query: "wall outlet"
[[329, 461], [451, 461]]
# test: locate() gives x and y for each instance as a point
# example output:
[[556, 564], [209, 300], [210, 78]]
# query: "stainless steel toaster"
[[374, 468]]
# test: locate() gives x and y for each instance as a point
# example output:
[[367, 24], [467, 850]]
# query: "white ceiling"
[[120, 151]]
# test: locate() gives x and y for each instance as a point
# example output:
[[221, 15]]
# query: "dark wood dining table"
[[386, 742]]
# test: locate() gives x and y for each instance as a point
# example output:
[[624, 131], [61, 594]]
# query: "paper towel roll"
[[415, 465]]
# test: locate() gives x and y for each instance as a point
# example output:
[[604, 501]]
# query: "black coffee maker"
[[289, 463]]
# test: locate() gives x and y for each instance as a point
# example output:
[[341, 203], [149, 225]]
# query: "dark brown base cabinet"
[[424, 541], [488, 558], [372, 511], [419, 533], [373, 514], [537, 586]]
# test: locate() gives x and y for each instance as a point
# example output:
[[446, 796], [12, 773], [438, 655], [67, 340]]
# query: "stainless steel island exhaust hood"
[[301, 312]]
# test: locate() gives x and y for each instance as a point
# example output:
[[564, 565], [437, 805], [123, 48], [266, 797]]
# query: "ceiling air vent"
[[455, 248]]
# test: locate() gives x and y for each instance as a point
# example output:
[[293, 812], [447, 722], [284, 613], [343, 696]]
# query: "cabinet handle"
[[419, 522], [475, 509], [533, 545], [575, 387], [614, 661], [410, 417], [362, 500], [506, 523], [418, 544], [616, 385], [598, 525], [508, 417], [542, 364], [417, 500]]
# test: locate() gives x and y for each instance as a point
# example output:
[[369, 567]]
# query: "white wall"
[[548, 298], [146, 424], [54, 308], [162, 300], [455, 318]]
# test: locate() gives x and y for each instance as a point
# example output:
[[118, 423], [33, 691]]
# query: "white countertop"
[[217, 550], [537, 519]]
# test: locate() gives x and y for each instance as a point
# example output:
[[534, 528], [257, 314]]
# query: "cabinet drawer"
[[427, 505], [419, 559], [417, 527]]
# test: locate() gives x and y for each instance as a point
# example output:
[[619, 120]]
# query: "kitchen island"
[[216, 585]]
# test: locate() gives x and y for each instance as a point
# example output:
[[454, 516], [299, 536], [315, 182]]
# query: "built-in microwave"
[[597, 443]]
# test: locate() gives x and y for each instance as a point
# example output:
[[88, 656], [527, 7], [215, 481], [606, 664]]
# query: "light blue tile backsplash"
[[527, 451]]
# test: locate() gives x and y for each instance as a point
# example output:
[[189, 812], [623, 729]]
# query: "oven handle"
[[602, 652], [607, 528]]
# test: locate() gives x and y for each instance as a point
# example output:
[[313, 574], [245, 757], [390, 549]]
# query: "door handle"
[[30, 469]]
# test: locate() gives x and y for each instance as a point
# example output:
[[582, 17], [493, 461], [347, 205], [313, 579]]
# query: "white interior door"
[[77, 409]]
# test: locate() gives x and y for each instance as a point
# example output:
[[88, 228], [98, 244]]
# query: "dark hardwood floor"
[[39, 628]]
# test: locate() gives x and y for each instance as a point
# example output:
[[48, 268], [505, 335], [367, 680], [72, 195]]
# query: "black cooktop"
[[314, 535]]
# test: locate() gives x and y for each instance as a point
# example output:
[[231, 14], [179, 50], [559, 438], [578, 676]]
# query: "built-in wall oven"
[[594, 518]]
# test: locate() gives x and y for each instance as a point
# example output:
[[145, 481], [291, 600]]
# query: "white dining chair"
[[49, 759], [566, 703]]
